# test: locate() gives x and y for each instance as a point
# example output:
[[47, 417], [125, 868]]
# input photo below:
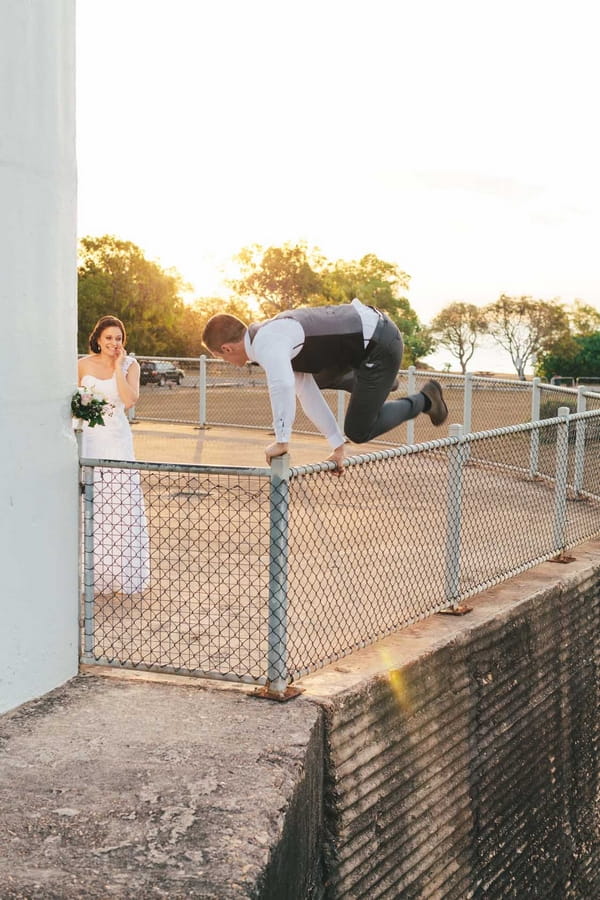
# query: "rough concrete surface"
[[135, 788], [132, 786]]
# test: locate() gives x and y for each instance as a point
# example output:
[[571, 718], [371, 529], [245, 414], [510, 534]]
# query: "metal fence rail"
[[218, 394], [261, 575]]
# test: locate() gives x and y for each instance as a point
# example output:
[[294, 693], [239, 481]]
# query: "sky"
[[458, 140]]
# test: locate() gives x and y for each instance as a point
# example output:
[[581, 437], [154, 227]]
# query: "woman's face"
[[110, 340]]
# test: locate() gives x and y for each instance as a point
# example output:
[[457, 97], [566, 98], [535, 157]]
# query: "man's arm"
[[273, 349], [316, 408]]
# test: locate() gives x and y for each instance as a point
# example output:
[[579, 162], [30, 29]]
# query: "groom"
[[350, 347]]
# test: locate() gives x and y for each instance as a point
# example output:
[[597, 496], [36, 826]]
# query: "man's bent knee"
[[357, 434]]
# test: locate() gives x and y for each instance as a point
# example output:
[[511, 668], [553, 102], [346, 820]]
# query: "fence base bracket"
[[264, 693], [562, 558], [461, 610]]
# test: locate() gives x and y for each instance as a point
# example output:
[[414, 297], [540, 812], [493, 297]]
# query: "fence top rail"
[[174, 467], [516, 383], [473, 376], [558, 388], [151, 358], [586, 414], [409, 449], [526, 426], [356, 460], [362, 458]]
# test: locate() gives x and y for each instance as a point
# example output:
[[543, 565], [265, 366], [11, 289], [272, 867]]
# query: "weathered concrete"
[[457, 758], [128, 788], [463, 753]]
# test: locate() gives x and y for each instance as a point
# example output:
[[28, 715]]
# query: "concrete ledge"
[[445, 757], [129, 788], [463, 754]]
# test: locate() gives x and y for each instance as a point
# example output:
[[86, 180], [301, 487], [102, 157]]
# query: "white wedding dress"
[[121, 545]]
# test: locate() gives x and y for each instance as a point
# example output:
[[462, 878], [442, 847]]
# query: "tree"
[[378, 283], [281, 278], [114, 278], [524, 327], [458, 327], [372, 280], [195, 316], [585, 319], [588, 359], [576, 354], [278, 278]]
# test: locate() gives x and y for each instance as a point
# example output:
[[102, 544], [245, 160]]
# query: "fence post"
[[277, 675], [88, 563], [534, 446], [411, 388], [579, 442], [468, 403], [454, 515], [202, 392], [562, 461]]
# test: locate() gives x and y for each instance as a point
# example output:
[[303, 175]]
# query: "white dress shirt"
[[274, 347]]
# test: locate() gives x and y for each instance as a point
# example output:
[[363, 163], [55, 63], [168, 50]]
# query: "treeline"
[[114, 277], [553, 338]]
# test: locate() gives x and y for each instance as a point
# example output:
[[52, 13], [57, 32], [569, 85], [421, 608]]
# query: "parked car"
[[159, 372]]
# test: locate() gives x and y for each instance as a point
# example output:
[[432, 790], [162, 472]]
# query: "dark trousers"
[[369, 413]]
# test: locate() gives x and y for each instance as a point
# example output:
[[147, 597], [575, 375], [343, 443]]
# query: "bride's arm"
[[128, 384]]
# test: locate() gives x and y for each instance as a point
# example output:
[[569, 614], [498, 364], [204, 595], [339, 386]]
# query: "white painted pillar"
[[38, 302]]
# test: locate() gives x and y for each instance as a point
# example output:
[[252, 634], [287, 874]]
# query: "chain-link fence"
[[261, 575], [194, 601], [212, 392]]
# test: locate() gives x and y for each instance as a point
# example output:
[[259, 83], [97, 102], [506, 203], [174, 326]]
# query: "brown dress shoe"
[[438, 411]]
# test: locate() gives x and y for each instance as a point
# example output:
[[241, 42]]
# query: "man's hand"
[[338, 458], [275, 449]]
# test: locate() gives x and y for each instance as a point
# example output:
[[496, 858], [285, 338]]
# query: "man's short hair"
[[222, 329]]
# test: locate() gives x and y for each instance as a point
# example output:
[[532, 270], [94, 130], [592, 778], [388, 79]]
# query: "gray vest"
[[333, 336]]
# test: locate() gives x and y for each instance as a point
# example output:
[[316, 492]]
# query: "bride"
[[121, 546]]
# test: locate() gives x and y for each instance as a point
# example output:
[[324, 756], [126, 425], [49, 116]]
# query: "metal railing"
[[214, 393], [262, 575]]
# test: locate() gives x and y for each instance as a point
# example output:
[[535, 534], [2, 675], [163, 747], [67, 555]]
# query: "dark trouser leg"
[[336, 379], [368, 414]]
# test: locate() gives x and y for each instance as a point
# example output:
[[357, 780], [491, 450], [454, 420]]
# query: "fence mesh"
[[213, 392], [365, 554], [201, 609], [235, 573]]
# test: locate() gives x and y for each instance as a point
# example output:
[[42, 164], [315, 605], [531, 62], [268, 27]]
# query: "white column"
[[38, 303]]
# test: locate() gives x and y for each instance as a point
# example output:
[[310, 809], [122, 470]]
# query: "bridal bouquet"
[[90, 405]]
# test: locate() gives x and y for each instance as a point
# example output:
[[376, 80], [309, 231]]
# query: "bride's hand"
[[120, 355]]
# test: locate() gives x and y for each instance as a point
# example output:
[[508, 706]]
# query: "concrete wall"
[[458, 758], [471, 767], [38, 458]]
